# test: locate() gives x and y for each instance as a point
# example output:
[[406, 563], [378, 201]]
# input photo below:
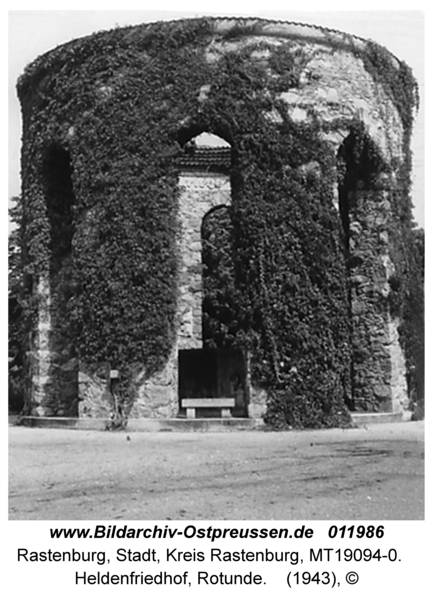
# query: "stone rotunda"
[[218, 209]]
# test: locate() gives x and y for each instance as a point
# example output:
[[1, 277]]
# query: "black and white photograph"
[[216, 266], [216, 289], [216, 250]]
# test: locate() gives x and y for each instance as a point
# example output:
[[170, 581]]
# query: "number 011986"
[[360, 531]]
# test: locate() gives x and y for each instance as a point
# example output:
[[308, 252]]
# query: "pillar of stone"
[[378, 363], [42, 401], [199, 194]]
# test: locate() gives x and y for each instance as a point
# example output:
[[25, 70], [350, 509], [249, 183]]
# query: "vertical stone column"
[[42, 405], [200, 193], [399, 391], [157, 397], [378, 362]]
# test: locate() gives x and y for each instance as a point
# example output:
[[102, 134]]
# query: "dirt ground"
[[369, 473]]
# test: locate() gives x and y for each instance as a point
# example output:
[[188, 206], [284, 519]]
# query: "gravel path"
[[371, 473]]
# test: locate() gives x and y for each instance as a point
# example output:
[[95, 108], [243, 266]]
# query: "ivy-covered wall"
[[319, 126]]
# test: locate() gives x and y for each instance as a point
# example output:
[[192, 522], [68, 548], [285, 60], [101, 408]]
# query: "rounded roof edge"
[[241, 26]]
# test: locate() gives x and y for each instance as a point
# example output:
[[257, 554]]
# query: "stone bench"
[[225, 404]]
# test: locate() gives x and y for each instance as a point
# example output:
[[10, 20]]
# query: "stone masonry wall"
[[41, 358], [378, 379], [199, 194], [335, 89]]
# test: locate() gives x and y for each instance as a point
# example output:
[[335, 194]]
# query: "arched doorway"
[[62, 372], [209, 366], [364, 188]]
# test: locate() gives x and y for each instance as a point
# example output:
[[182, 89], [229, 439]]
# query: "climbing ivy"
[[120, 105], [16, 309]]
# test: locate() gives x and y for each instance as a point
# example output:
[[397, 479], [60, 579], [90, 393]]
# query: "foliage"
[[220, 302], [15, 300], [114, 110], [398, 81], [412, 319]]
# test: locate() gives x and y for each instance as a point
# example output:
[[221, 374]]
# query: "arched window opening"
[[206, 153], [59, 197], [360, 189], [219, 294], [60, 200], [205, 195], [359, 166], [211, 369], [345, 192]]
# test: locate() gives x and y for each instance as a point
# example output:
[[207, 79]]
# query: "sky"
[[32, 33]]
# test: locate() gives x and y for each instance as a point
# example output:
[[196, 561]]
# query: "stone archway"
[[304, 83], [57, 379], [207, 367], [378, 365]]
